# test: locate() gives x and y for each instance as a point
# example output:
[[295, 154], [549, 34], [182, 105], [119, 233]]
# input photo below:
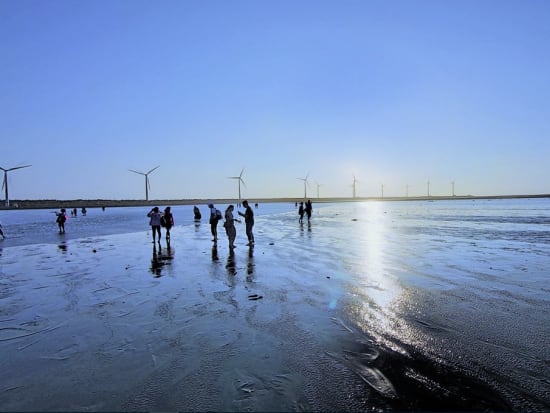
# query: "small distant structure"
[[5, 182], [147, 184], [239, 180], [306, 183], [353, 185]]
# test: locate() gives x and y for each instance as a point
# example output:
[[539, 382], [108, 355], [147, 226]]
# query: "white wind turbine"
[[353, 185], [147, 184], [305, 184], [239, 180], [318, 185], [5, 181]]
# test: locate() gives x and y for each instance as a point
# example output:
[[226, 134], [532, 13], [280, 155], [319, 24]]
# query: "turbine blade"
[[241, 174], [136, 172], [17, 167], [153, 169], [241, 179]]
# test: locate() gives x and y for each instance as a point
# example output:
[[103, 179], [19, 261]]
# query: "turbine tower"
[[239, 180], [453, 183], [382, 190], [147, 184], [318, 185], [305, 185], [5, 182], [428, 188], [353, 185]]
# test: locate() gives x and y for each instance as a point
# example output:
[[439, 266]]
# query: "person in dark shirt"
[[249, 221]]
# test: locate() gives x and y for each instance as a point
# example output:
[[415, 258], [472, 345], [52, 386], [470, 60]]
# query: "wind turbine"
[[5, 181], [239, 180], [318, 185], [147, 184], [305, 184], [353, 185]]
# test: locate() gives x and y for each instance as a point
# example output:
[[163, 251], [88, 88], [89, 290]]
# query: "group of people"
[[159, 219], [229, 223], [307, 209]]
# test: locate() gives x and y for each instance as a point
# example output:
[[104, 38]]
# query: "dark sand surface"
[[305, 321]]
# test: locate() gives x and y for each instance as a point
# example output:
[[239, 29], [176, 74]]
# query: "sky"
[[395, 93]]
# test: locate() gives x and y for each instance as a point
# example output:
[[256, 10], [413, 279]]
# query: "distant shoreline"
[[112, 203]]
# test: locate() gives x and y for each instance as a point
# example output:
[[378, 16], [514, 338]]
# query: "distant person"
[[167, 221], [301, 212], [103, 208], [155, 216], [83, 211], [197, 213], [229, 225], [215, 216], [249, 221], [256, 205], [61, 218], [309, 209], [2, 232], [74, 212]]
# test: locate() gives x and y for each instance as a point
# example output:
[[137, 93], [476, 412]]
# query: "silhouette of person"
[[83, 210], [229, 225], [61, 218], [249, 221], [309, 209], [155, 216], [197, 213], [214, 218], [301, 212], [168, 220]]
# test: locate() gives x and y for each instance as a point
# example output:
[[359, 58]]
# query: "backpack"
[[162, 221], [218, 214]]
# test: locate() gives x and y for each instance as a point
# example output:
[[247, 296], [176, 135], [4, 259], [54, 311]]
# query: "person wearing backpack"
[[215, 216], [167, 221], [61, 218]]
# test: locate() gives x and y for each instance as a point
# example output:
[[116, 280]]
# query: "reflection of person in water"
[[197, 213], [230, 266], [156, 263]]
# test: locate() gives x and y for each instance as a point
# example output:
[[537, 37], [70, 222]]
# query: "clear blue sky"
[[395, 92]]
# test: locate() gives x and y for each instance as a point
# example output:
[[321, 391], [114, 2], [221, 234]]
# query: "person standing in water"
[[215, 216], [249, 221], [229, 225], [61, 218], [197, 213], [309, 209], [167, 221], [301, 212], [154, 221]]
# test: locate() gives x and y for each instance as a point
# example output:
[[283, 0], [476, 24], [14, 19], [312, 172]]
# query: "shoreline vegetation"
[[110, 203]]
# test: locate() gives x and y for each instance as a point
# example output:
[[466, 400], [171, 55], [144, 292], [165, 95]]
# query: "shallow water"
[[377, 305]]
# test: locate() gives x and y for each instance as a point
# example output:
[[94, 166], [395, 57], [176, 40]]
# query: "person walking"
[[167, 221], [301, 212], [154, 221], [229, 225], [215, 216], [249, 221], [61, 218], [309, 209]]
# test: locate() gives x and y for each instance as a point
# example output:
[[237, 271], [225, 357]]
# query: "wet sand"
[[114, 323]]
